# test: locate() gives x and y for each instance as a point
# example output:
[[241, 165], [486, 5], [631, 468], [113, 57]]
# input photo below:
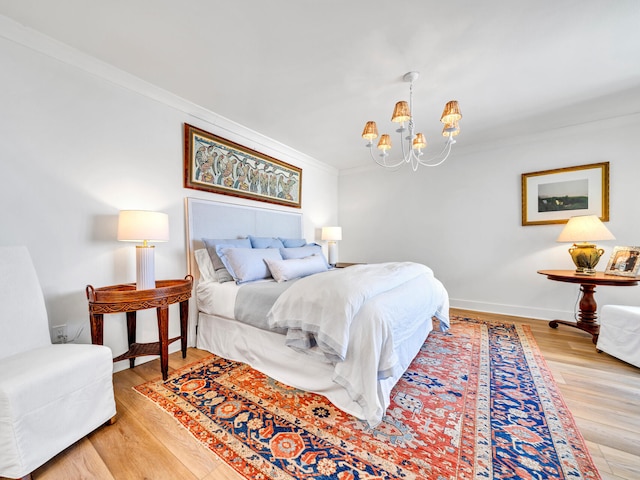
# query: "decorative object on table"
[[554, 196], [144, 226], [452, 415], [413, 143], [332, 235], [624, 261], [584, 229], [214, 164]]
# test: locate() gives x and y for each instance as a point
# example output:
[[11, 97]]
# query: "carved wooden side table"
[[587, 318], [125, 298]]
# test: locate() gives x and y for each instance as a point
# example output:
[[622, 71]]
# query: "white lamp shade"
[[585, 228], [143, 226], [332, 233]]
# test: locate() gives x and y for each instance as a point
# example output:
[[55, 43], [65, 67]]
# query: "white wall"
[[80, 141], [464, 218]]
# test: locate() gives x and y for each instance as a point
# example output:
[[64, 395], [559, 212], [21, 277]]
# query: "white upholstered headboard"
[[214, 219], [209, 219]]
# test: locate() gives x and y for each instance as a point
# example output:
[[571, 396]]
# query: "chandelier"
[[413, 143]]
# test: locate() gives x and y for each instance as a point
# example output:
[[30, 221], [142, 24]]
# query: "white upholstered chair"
[[50, 395], [620, 332]]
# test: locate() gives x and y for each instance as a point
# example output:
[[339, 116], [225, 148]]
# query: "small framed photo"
[[624, 261]]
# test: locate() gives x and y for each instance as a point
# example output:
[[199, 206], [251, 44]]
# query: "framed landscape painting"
[[215, 164], [554, 196]]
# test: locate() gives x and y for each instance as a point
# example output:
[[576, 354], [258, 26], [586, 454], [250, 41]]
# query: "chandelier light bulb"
[[384, 143], [451, 112], [450, 129], [419, 142], [401, 113], [370, 131]]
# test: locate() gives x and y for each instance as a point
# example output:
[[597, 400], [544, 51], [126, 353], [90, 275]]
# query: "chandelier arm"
[[414, 158], [382, 164], [389, 167], [447, 148]]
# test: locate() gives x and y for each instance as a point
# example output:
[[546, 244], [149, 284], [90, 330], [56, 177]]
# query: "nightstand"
[[345, 265], [126, 299]]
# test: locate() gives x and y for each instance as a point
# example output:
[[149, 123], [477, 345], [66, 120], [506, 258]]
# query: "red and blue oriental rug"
[[477, 403]]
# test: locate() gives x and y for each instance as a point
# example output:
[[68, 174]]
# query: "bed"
[[347, 334]]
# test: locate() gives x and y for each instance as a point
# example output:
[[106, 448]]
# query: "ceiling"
[[309, 73]]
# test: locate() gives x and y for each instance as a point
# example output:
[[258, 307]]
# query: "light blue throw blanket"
[[317, 311]]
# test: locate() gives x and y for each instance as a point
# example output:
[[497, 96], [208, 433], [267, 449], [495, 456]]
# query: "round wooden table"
[[587, 318], [126, 299]]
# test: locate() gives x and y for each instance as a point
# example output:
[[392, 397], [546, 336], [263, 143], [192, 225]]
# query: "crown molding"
[[38, 42]]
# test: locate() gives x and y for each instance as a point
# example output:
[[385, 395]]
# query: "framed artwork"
[[624, 261], [214, 164], [554, 196]]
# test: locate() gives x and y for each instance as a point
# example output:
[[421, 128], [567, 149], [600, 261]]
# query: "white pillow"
[[247, 264], [283, 270], [207, 273]]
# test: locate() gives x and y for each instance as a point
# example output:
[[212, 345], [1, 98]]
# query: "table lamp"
[[583, 230], [332, 234], [143, 226]]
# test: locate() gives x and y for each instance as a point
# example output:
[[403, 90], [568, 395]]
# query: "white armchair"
[[620, 332], [50, 395]]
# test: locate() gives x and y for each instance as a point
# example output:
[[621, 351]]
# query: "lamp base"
[[585, 272], [333, 253], [145, 267], [585, 256]]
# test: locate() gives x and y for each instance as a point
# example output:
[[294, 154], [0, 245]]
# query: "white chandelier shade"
[[413, 143]]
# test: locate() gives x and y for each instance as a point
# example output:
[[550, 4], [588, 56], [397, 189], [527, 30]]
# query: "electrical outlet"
[[59, 333]]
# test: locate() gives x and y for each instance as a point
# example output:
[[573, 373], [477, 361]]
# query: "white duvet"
[[355, 317]]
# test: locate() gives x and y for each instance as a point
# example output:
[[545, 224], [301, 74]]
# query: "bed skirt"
[[266, 352]]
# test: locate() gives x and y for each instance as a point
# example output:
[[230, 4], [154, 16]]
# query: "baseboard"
[[515, 310]]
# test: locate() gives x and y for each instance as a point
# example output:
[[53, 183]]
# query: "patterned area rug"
[[477, 403]]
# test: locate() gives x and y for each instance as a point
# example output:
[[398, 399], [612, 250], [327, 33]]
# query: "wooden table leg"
[[184, 317], [131, 334], [587, 318], [163, 333], [97, 328]]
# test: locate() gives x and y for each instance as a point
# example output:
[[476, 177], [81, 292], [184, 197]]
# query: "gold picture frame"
[[624, 261], [554, 196], [215, 164]]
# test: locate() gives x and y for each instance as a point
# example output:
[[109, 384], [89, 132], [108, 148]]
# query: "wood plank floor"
[[603, 394]]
